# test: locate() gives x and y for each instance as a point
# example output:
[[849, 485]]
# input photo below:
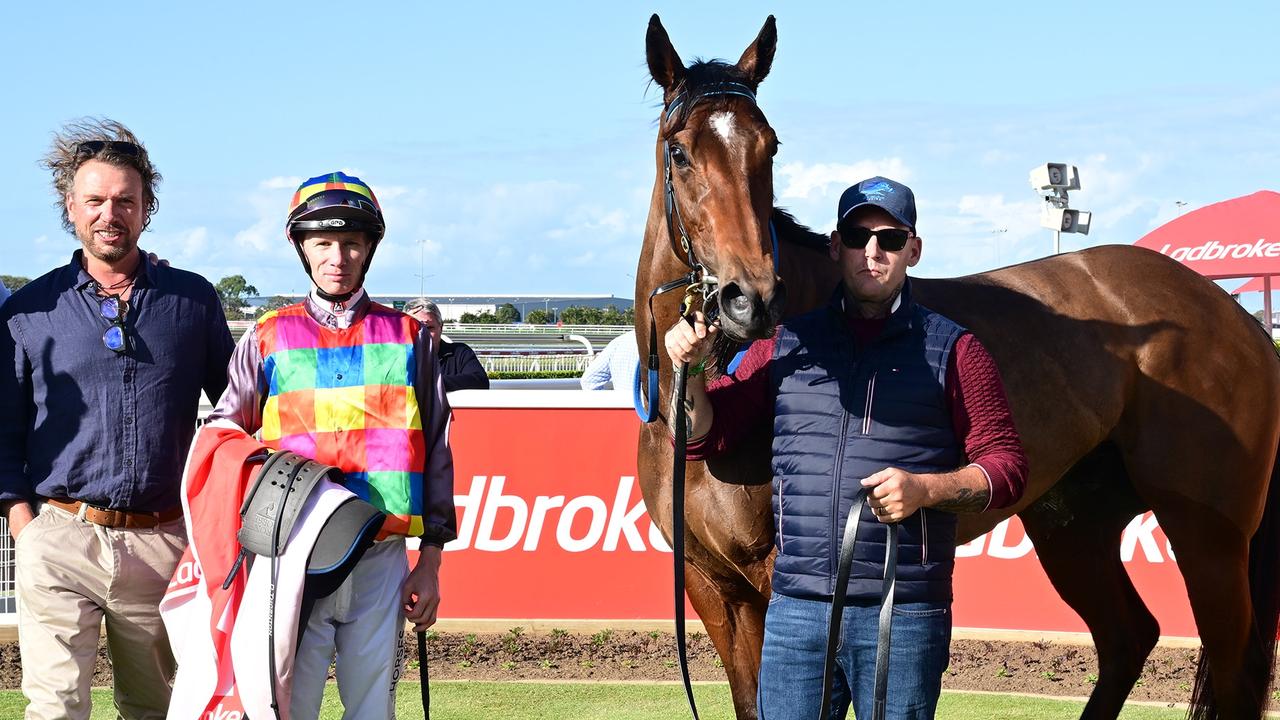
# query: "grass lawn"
[[591, 701]]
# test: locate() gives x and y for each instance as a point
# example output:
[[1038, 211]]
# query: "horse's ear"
[[758, 58], [664, 64]]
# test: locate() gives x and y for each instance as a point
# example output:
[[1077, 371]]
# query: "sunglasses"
[[93, 147], [113, 310], [857, 237]]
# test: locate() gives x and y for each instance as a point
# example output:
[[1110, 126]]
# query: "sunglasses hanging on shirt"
[[113, 309], [856, 237]]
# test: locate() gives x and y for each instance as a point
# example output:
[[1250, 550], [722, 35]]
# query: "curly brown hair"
[[67, 155]]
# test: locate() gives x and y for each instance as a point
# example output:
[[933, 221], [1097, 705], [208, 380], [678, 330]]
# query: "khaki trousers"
[[71, 576]]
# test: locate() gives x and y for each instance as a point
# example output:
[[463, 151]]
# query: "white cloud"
[[281, 182], [802, 181]]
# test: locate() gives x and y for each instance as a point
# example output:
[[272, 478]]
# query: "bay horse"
[[1135, 384]]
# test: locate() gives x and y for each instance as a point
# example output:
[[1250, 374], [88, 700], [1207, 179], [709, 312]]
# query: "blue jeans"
[[795, 644]]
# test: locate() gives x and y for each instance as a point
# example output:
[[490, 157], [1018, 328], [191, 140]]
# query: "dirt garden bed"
[[1041, 668]]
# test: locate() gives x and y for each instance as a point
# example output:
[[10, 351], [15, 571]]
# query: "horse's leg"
[[1208, 494], [733, 613], [1212, 554], [1076, 528]]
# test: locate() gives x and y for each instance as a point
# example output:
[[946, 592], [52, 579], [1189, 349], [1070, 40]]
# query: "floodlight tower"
[[1052, 181]]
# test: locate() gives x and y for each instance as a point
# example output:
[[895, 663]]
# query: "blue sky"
[[511, 145]]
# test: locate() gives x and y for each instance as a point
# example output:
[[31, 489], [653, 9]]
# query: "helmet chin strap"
[[340, 297]]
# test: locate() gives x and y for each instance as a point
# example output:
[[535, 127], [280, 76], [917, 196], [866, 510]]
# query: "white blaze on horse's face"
[[722, 123]]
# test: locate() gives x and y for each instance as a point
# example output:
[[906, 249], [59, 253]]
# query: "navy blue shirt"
[[78, 420]]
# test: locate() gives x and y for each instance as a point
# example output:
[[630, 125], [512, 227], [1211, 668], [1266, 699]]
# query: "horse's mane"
[[793, 231], [701, 80]]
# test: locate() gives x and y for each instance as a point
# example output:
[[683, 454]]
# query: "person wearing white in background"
[[614, 366]]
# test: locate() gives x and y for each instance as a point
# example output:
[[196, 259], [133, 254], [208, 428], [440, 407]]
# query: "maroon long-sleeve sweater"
[[743, 404]]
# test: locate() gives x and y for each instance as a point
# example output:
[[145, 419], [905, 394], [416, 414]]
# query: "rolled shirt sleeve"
[[982, 421], [246, 388]]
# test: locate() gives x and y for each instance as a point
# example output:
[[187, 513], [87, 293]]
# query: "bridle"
[[699, 281]]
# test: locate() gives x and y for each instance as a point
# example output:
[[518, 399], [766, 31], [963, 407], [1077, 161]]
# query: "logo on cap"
[[877, 190]]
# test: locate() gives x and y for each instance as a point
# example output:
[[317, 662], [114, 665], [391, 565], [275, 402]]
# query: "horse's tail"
[[1264, 592]]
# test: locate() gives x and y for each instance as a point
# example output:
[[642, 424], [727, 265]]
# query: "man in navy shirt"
[[109, 355]]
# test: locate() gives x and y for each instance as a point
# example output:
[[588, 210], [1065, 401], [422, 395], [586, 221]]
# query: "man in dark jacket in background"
[[458, 362]]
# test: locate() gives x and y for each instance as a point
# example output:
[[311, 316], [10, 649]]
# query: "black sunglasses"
[[113, 310], [857, 237], [93, 147]]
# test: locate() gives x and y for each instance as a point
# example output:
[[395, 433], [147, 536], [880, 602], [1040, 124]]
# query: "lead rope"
[[885, 622], [677, 528]]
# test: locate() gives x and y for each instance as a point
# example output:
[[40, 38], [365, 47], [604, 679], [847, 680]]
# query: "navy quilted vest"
[[843, 412]]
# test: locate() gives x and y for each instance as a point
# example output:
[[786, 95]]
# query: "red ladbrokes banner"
[[551, 525]]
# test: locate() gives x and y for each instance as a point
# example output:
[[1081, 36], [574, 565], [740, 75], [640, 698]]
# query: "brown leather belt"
[[116, 518]]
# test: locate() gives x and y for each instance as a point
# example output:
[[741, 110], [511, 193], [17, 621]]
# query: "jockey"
[[348, 382]]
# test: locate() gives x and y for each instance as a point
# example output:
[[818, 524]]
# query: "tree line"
[[234, 293], [572, 315]]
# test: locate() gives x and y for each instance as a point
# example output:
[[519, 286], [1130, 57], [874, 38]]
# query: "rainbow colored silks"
[[346, 398]]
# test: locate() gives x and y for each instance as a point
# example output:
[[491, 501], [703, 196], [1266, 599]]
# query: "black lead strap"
[[677, 527], [885, 623]]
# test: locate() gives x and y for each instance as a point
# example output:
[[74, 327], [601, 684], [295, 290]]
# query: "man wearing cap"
[[458, 362], [351, 383], [109, 356], [873, 393]]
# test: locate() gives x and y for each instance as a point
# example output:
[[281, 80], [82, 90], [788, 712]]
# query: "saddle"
[[274, 503]]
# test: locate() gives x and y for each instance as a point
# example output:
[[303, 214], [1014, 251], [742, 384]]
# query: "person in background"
[[614, 366], [109, 355], [458, 362], [4, 293]]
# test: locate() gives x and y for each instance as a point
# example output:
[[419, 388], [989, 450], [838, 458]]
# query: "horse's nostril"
[[740, 305]]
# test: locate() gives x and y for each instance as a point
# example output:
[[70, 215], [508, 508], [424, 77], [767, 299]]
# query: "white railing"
[[455, 328], [535, 363], [240, 327], [8, 578]]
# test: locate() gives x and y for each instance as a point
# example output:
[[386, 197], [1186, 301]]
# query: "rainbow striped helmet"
[[334, 201]]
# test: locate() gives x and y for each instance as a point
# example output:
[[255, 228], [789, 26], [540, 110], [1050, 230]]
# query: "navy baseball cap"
[[888, 195]]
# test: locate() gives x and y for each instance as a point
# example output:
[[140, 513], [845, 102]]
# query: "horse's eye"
[[679, 157]]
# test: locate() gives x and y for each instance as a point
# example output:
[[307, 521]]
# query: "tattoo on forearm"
[[966, 500]]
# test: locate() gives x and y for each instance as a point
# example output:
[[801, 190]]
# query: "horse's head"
[[715, 163]]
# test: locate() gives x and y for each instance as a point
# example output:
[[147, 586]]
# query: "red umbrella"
[[1233, 238], [1254, 285]]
